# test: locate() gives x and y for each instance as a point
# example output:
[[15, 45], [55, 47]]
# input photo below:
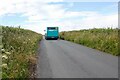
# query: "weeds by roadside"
[[102, 39], [19, 49]]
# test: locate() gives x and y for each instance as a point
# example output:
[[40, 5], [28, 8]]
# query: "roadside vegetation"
[[19, 48], [105, 40]]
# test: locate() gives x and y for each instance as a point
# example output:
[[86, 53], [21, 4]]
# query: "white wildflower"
[[5, 57], [24, 42], [8, 53], [3, 50], [29, 39], [4, 65]]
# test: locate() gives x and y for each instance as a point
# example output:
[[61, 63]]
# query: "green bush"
[[18, 46], [102, 39]]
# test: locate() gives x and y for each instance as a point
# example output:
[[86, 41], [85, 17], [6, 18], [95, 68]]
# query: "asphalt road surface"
[[63, 59]]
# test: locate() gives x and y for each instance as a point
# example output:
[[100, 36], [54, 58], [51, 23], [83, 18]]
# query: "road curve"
[[63, 59]]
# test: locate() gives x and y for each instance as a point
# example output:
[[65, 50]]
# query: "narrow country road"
[[63, 59]]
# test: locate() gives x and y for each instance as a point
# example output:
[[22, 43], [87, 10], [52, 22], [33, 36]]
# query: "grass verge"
[[19, 48], [105, 40]]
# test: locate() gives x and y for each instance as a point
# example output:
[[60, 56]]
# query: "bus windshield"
[[52, 28]]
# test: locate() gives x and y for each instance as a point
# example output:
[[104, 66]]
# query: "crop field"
[[19, 47], [105, 40]]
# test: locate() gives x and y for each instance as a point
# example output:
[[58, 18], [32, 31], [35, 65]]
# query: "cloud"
[[91, 0], [98, 21], [101, 21], [22, 6], [41, 14]]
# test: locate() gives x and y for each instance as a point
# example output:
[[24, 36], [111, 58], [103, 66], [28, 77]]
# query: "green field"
[[105, 40], [19, 48]]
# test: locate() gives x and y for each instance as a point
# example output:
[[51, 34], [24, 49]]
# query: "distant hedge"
[[102, 39]]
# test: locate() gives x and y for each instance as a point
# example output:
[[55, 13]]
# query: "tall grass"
[[102, 39], [19, 46]]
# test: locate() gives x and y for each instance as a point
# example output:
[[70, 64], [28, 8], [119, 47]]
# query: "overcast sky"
[[36, 15]]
